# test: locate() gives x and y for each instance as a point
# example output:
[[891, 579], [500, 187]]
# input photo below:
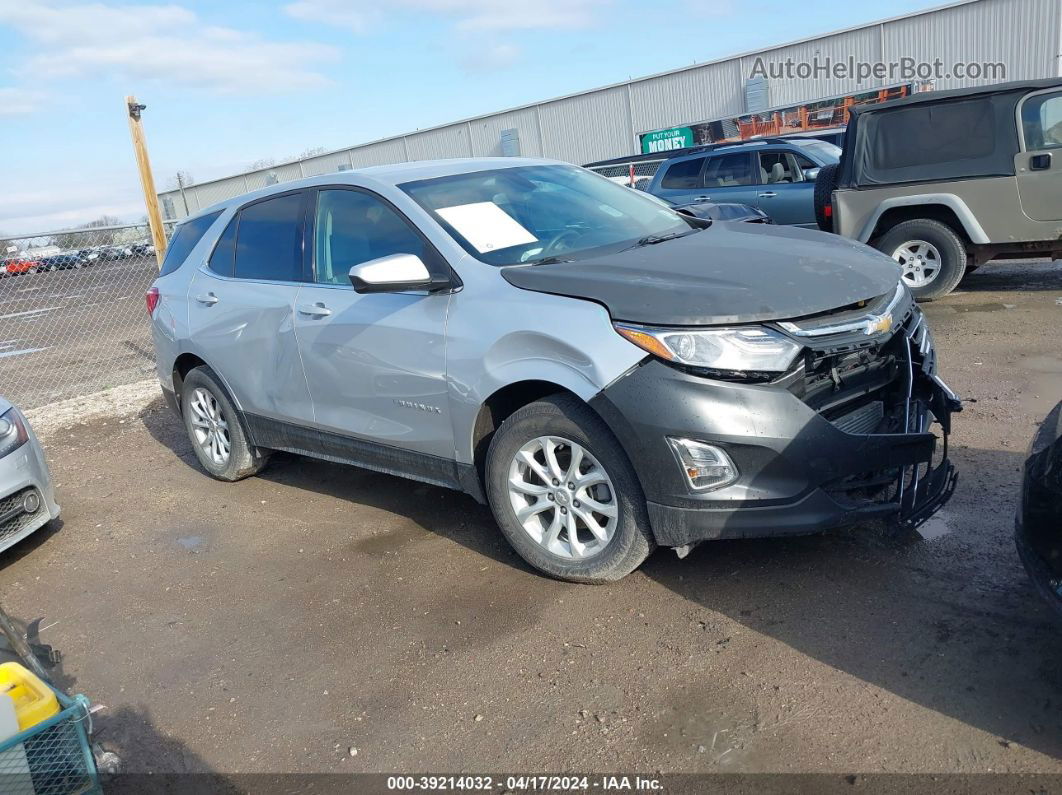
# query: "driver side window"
[[354, 227]]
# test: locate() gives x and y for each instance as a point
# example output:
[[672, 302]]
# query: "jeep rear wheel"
[[931, 256]]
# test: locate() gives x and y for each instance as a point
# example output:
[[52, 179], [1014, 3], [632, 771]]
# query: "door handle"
[[768, 194], [209, 299], [1040, 162], [702, 198], [316, 310]]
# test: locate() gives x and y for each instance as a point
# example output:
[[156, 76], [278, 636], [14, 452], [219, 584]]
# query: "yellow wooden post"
[[151, 198]]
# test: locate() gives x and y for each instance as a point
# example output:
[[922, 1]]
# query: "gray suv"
[[608, 374]]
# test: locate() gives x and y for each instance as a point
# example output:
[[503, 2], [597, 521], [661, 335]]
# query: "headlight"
[[746, 349], [13, 433]]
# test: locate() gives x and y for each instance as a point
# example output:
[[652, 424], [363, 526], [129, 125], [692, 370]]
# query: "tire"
[[825, 185], [203, 399], [566, 420], [947, 251]]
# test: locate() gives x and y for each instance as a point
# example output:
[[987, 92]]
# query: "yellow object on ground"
[[34, 700]]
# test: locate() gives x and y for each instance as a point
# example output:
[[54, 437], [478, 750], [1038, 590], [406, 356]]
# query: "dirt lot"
[[274, 624]]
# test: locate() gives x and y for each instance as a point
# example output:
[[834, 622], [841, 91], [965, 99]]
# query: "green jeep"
[[945, 181]]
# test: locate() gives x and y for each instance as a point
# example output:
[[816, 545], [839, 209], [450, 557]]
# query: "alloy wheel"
[[919, 261], [209, 427], [563, 497]]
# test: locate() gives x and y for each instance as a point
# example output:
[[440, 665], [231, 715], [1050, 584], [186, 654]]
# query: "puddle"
[[936, 527], [191, 542], [982, 307]]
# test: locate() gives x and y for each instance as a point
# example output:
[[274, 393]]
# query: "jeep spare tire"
[[825, 184], [931, 256]]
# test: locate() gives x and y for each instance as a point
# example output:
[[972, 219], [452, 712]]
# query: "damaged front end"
[[891, 392]]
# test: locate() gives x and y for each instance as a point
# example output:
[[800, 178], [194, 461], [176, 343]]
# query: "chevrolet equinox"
[[607, 374]]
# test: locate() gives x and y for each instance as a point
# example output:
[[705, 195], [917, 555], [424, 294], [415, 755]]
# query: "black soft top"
[[936, 135]]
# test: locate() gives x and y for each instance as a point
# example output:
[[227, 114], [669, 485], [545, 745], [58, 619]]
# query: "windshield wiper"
[[547, 261], [652, 240]]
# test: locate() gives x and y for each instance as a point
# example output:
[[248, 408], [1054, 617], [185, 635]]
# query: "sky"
[[233, 81]]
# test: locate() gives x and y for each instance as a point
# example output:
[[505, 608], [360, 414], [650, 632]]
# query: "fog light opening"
[[704, 465], [31, 502]]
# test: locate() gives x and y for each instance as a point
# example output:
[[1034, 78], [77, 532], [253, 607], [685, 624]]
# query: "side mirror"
[[811, 174], [393, 274]]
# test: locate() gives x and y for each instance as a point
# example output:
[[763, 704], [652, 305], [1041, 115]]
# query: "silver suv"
[[608, 374]]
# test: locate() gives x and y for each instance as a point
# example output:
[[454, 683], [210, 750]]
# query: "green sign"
[[666, 140]]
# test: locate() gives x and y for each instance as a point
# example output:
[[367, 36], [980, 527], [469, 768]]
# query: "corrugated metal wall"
[[1026, 35]]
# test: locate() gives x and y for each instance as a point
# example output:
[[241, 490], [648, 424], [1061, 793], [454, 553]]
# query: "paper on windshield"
[[486, 226]]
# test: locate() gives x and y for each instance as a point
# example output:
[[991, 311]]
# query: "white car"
[[27, 498]]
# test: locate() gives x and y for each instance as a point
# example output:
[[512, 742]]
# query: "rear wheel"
[[931, 256], [216, 430], [564, 494]]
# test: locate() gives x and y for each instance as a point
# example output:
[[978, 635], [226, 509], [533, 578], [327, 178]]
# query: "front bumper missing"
[[800, 472]]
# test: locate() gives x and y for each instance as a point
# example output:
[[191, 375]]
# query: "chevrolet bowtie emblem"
[[878, 324]]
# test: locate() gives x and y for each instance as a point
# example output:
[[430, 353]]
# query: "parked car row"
[[74, 259]]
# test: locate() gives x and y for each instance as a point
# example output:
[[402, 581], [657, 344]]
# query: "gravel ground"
[[274, 624]]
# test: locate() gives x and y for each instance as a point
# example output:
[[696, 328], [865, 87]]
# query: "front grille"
[[13, 517], [859, 382]]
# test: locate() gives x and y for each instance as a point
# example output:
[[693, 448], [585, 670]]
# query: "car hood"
[[727, 273]]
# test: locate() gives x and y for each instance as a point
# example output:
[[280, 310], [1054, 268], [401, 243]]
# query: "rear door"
[[375, 362], [1039, 165], [241, 308], [731, 177], [681, 181], [785, 193]]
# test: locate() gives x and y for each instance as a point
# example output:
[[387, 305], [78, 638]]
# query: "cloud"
[[360, 15], [164, 42], [16, 101], [470, 18]]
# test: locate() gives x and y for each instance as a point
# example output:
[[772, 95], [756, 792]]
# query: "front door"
[[784, 193], [241, 309], [375, 363], [1039, 166]]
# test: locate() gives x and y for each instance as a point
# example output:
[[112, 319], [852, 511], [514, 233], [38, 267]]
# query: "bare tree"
[[313, 151], [102, 237], [181, 179], [263, 162]]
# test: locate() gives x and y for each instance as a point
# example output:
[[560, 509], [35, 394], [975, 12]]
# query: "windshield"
[[527, 214], [827, 152]]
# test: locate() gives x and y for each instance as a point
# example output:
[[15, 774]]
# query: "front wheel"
[[216, 430], [564, 494], [932, 257]]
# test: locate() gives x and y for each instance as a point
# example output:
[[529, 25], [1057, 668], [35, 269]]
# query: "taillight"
[[152, 298]]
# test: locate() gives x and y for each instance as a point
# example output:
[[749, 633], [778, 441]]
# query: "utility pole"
[[180, 185], [147, 182]]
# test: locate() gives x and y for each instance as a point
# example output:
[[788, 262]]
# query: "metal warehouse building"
[[609, 122]]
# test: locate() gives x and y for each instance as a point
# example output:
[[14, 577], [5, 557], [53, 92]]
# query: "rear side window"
[[269, 240], [727, 171], [685, 174], [184, 240], [223, 260], [1042, 117]]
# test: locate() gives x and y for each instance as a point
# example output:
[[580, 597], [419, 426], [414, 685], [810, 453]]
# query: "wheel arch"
[[508, 399], [187, 361], [946, 208]]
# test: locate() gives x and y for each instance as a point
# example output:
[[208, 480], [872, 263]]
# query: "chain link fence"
[[635, 174], [72, 314]]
